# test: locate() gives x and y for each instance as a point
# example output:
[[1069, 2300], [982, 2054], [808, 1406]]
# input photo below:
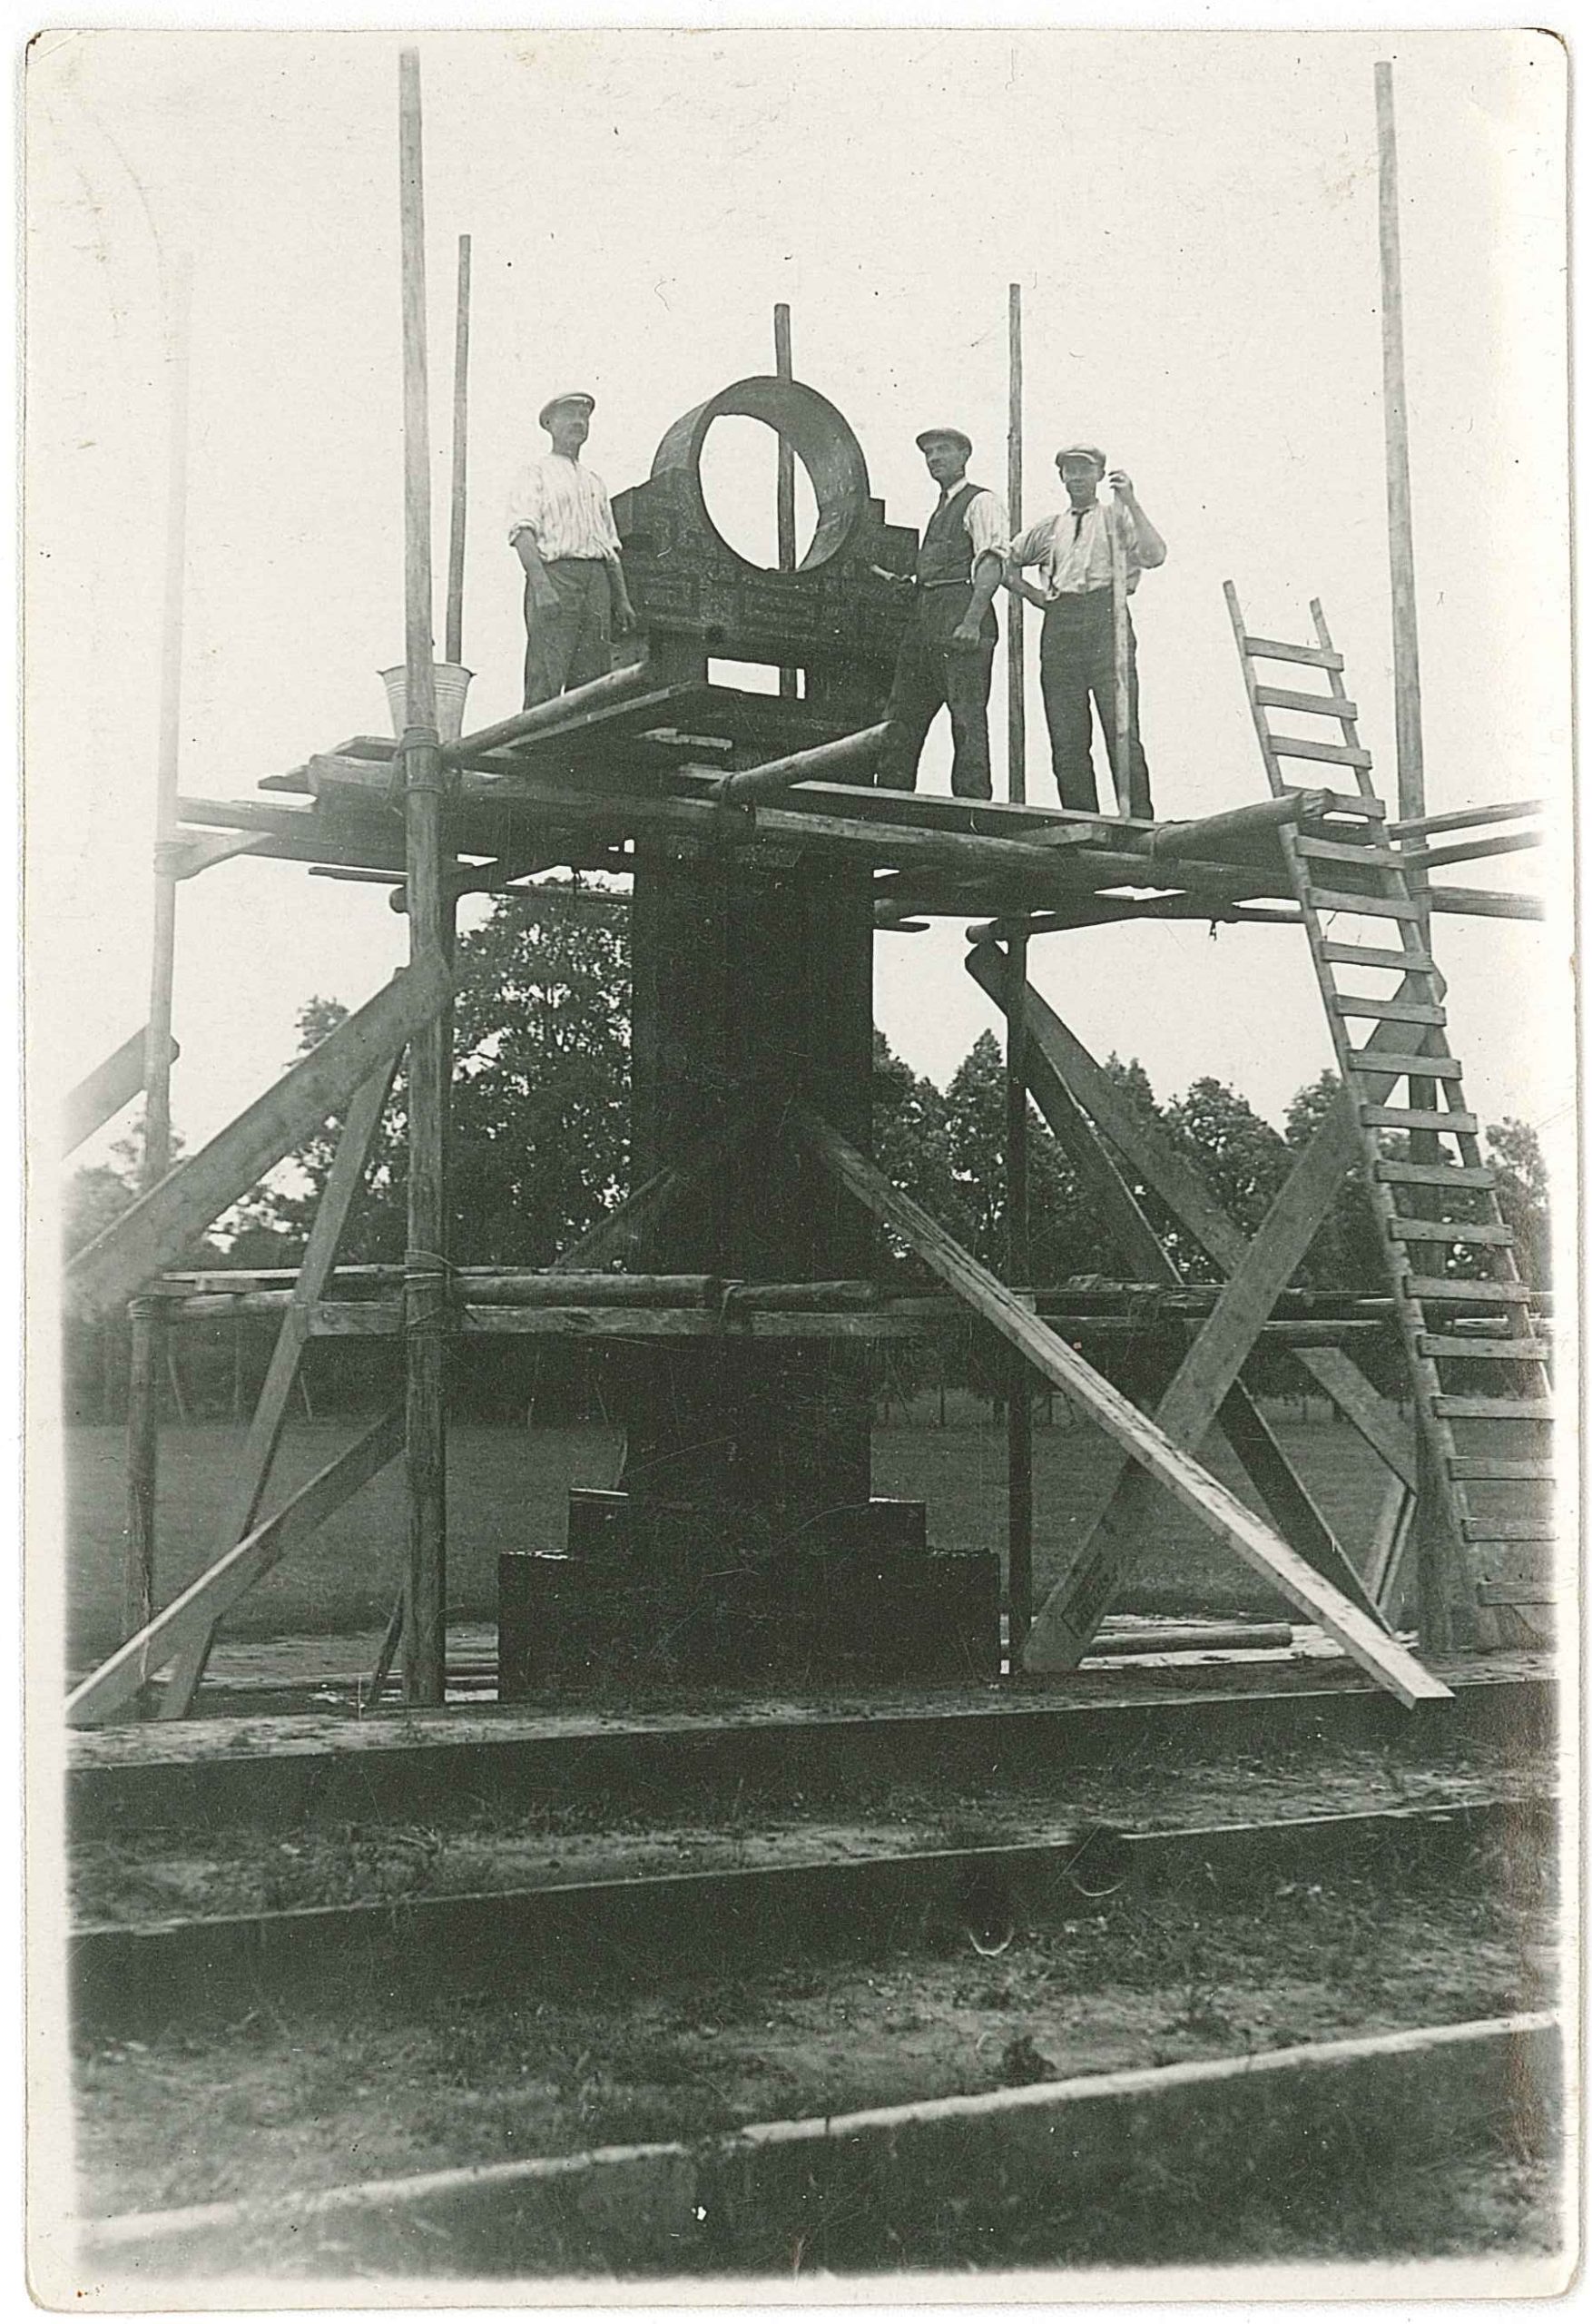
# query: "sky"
[[1193, 220]]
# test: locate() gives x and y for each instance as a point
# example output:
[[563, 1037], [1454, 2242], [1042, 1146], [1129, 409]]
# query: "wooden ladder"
[[1435, 1197]]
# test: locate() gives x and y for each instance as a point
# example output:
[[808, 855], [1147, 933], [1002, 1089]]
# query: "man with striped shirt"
[[562, 529]]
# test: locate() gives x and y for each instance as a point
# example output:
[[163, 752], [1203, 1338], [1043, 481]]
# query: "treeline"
[[539, 1150]]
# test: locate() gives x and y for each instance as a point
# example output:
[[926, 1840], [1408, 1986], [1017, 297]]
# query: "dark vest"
[[946, 552]]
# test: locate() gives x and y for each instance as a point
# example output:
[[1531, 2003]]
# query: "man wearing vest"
[[1076, 646], [948, 650], [562, 529]]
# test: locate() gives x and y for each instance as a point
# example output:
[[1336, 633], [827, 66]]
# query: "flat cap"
[[1082, 452], [574, 395], [944, 436]]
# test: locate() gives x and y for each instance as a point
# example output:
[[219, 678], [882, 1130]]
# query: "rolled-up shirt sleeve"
[[526, 503], [1031, 544], [986, 526]]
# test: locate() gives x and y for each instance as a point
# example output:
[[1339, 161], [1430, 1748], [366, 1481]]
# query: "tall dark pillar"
[[748, 989]]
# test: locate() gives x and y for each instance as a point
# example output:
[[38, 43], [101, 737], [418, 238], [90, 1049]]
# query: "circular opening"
[[738, 475]]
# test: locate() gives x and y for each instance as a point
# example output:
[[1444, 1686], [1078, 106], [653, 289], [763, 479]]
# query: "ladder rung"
[[1325, 706], [1445, 1344], [1273, 649], [1378, 906], [1404, 1061], [1435, 1173], [1418, 1117], [1374, 956], [1492, 1407], [1294, 746], [1513, 1594], [1398, 1012], [1481, 1468], [1404, 1229], [1363, 803], [1337, 851], [1455, 1289], [1509, 1529]]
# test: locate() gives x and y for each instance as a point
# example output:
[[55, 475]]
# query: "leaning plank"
[[203, 1604], [151, 1234], [344, 1179], [1066, 1622], [112, 1085], [1361, 1637], [1195, 1209], [1240, 1422]]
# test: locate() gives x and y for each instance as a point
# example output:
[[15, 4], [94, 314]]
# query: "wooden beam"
[[776, 776], [103, 1093], [1362, 1638], [151, 1234], [194, 851], [1191, 1203], [1017, 741], [1072, 1613], [205, 1600], [344, 1180], [784, 481], [454, 627]]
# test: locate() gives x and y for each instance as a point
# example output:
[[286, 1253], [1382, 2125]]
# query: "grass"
[[508, 1489]]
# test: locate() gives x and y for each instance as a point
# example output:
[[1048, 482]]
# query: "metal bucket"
[[453, 684]]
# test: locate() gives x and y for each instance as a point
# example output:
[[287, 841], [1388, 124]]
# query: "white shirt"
[[563, 508], [1068, 565]]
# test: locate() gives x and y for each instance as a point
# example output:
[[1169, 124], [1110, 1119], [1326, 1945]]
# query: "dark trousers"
[[1077, 660], [568, 644], [930, 675]]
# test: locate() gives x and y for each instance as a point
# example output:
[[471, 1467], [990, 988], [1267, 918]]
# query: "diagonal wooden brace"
[[150, 1234], [1066, 1624], [1381, 1655], [346, 1176], [200, 1606], [1377, 1419]]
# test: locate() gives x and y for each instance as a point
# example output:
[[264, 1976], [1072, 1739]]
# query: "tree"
[[1347, 1252], [1516, 1154], [1240, 1157]]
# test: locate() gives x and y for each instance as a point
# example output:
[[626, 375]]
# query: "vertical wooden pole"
[[454, 647], [1017, 765], [1436, 1628], [430, 916], [785, 483], [1121, 753], [1019, 1411], [148, 1352]]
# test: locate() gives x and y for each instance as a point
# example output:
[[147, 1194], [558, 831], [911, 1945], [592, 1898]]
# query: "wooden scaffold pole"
[[430, 914], [150, 1346], [785, 480], [454, 647], [1019, 1409]]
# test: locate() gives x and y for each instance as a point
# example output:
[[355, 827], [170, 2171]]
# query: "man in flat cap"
[[948, 650], [1076, 647], [562, 528]]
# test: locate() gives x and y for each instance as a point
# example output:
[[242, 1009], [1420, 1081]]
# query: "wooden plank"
[[153, 1232], [1442, 1344], [1072, 1613], [1463, 1293], [1364, 805], [1486, 1468], [1373, 956], [1191, 1202], [1395, 1011], [1451, 1230], [112, 1084], [1372, 907], [1358, 1633], [203, 1604], [1324, 706], [1420, 1117], [1401, 1062], [1494, 1407], [202, 852], [344, 1180], [1487, 903], [1363, 852], [1478, 1175], [1471, 851], [1466, 819], [1297, 746], [1274, 649], [1510, 1529], [1513, 1593]]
